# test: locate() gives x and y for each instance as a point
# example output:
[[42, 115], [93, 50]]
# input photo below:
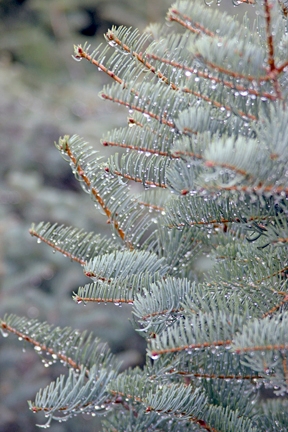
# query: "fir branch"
[[213, 78], [117, 291], [233, 74], [209, 130], [218, 104], [280, 272], [270, 43], [276, 307], [135, 393], [118, 301], [197, 94], [74, 243], [75, 395], [139, 168], [111, 36], [39, 347], [81, 53], [140, 149], [195, 333], [151, 206], [259, 336], [40, 237], [64, 146], [207, 376], [272, 347], [163, 301], [270, 47], [268, 190], [168, 245], [180, 401], [161, 120], [199, 211], [155, 353], [111, 195], [124, 265], [155, 199], [139, 180], [121, 388], [151, 138], [73, 348], [185, 21]]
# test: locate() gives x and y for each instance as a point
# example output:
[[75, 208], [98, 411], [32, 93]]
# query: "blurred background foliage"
[[46, 94]]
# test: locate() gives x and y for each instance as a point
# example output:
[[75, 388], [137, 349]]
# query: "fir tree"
[[207, 139]]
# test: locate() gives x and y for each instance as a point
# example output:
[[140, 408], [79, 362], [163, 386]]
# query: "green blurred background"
[[46, 94]]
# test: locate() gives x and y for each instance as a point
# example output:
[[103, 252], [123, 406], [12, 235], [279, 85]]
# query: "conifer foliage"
[[207, 138]]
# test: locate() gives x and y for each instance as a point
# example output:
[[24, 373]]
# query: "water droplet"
[[154, 355], [4, 334], [76, 58], [112, 43]]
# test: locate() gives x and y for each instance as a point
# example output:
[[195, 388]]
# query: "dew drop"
[[76, 58], [154, 356], [4, 334]]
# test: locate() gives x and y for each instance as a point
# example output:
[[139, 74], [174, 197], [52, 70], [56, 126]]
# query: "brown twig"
[[161, 313], [250, 189], [280, 347], [156, 353], [276, 307], [270, 48], [273, 274], [139, 109], [182, 19], [84, 300], [139, 180], [151, 206], [214, 376], [141, 149], [80, 53]]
